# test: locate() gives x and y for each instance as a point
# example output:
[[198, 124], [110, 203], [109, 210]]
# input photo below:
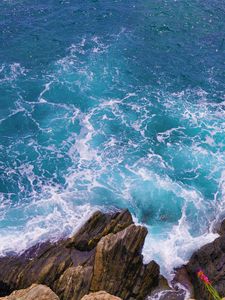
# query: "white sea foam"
[[10, 72], [47, 219], [126, 168], [176, 248]]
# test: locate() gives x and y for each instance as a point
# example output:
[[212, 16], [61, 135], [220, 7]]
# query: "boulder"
[[100, 296], [97, 226], [211, 260], [119, 268], [34, 292]]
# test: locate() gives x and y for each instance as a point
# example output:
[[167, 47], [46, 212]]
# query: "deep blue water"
[[112, 104]]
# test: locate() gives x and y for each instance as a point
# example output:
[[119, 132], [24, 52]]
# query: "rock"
[[105, 254], [5, 289], [34, 292], [74, 283], [45, 267], [211, 259], [169, 295], [164, 292], [100, 296], [97, 226], [119, 268], [181, 277], [221, 228], [161, 287], [45, 263]]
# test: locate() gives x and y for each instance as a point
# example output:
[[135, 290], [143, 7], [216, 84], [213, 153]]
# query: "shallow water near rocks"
[[112, 104]]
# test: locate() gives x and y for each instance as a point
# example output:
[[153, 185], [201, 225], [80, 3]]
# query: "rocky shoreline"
[[103, 260]]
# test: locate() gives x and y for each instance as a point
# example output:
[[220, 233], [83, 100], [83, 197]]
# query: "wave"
[[96, 139]]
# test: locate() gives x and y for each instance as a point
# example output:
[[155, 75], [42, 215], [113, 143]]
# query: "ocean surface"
[[112, 103]]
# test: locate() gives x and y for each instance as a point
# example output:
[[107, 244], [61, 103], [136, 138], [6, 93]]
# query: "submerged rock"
[[100, 296], [34, 292]]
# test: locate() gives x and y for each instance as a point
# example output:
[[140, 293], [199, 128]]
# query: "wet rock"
[[119, 268], [34, 292], [221, 228], [99, 225], [74, 283], [211, 259], [100, 296], [161, 287], [164, 292], [182, 278], [170, 295]]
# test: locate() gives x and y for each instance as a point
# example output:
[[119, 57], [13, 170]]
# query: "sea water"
[[108, 104]]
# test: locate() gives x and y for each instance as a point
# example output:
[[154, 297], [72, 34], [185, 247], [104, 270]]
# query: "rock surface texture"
[[102, 295], [105, 254], [211, 259], [34, 292], [118, 256]]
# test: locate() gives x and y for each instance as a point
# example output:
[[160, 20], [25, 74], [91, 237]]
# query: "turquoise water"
[[112, 104]]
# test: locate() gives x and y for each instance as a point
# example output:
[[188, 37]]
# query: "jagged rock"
[[43, 265], [211, 259], [75, 267], [34, 292], [118, 267], [74, 283], [97, 226], [100, 296]]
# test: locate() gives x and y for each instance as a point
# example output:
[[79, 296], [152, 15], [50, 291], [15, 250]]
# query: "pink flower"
[[203, 277]]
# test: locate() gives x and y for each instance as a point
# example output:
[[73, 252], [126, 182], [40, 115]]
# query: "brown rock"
[[74, 283], [119, 268], [211, 259], [100, 296], [45, 263], [43, 266], [164, 292], [99, 225], [34, 292], [74, 267], [46, 267], [163, 285], [182, 277]]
